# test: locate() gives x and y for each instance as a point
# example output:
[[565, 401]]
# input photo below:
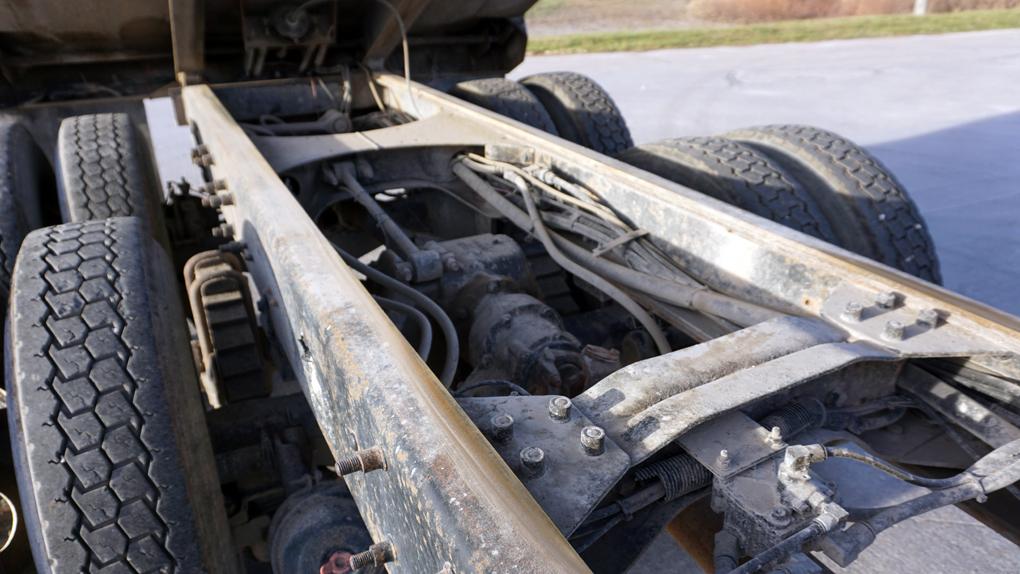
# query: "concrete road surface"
[[943, 112]]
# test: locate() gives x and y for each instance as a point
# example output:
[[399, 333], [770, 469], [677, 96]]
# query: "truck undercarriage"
[[430, 336]]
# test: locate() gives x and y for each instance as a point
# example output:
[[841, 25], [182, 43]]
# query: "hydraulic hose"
[[932, 483], [699, 298], [452, 357], [532, 222], [424, 327]]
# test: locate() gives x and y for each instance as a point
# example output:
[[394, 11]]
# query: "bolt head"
[[886, 299], [559, 408], [724, 457], [533, 460], [593, 440], [929, 318], [853, 312], [502, 426], [894, 331]]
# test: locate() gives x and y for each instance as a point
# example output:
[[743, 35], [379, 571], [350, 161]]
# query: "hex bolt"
[[886, 299], [375, 556], [365, 460], [201, 156], [894, 331], [224, 230], [593, 440], [853, 312], [559, 408], [225, 197], [213, 201], [533, 460], [724, 458], [929, 318], [502, 426], [214, 186]]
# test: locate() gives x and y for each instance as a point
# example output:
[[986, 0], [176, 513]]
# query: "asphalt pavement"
[[942, 112]]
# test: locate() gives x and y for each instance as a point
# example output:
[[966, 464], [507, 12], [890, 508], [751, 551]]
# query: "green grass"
[[794, 31]]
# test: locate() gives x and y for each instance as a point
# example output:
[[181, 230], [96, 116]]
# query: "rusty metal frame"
[[446, 496]]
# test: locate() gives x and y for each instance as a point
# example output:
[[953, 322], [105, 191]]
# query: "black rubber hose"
[[452, 358], [424, 327], [932, 483], [390, 228]]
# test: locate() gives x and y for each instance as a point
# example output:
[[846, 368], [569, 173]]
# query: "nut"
[[929, 318], [502, 426], [853, 312], [559, 408], [533, 460], [887, 299], [894, 331], [593, 440]]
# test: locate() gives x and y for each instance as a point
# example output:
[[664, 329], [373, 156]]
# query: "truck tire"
[[111, 450], [868, 208], [581, 111], [105, 170], [22, 171], [736, 174], [507, 98]]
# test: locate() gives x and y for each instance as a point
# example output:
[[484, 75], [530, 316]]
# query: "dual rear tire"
[[807, 179], [111, 449]]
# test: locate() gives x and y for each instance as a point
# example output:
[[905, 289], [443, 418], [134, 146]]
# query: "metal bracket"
[[744, 441], [889, 320], [566, 477]]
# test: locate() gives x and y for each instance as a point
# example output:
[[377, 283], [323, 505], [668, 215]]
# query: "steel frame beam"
[[446, 497]]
